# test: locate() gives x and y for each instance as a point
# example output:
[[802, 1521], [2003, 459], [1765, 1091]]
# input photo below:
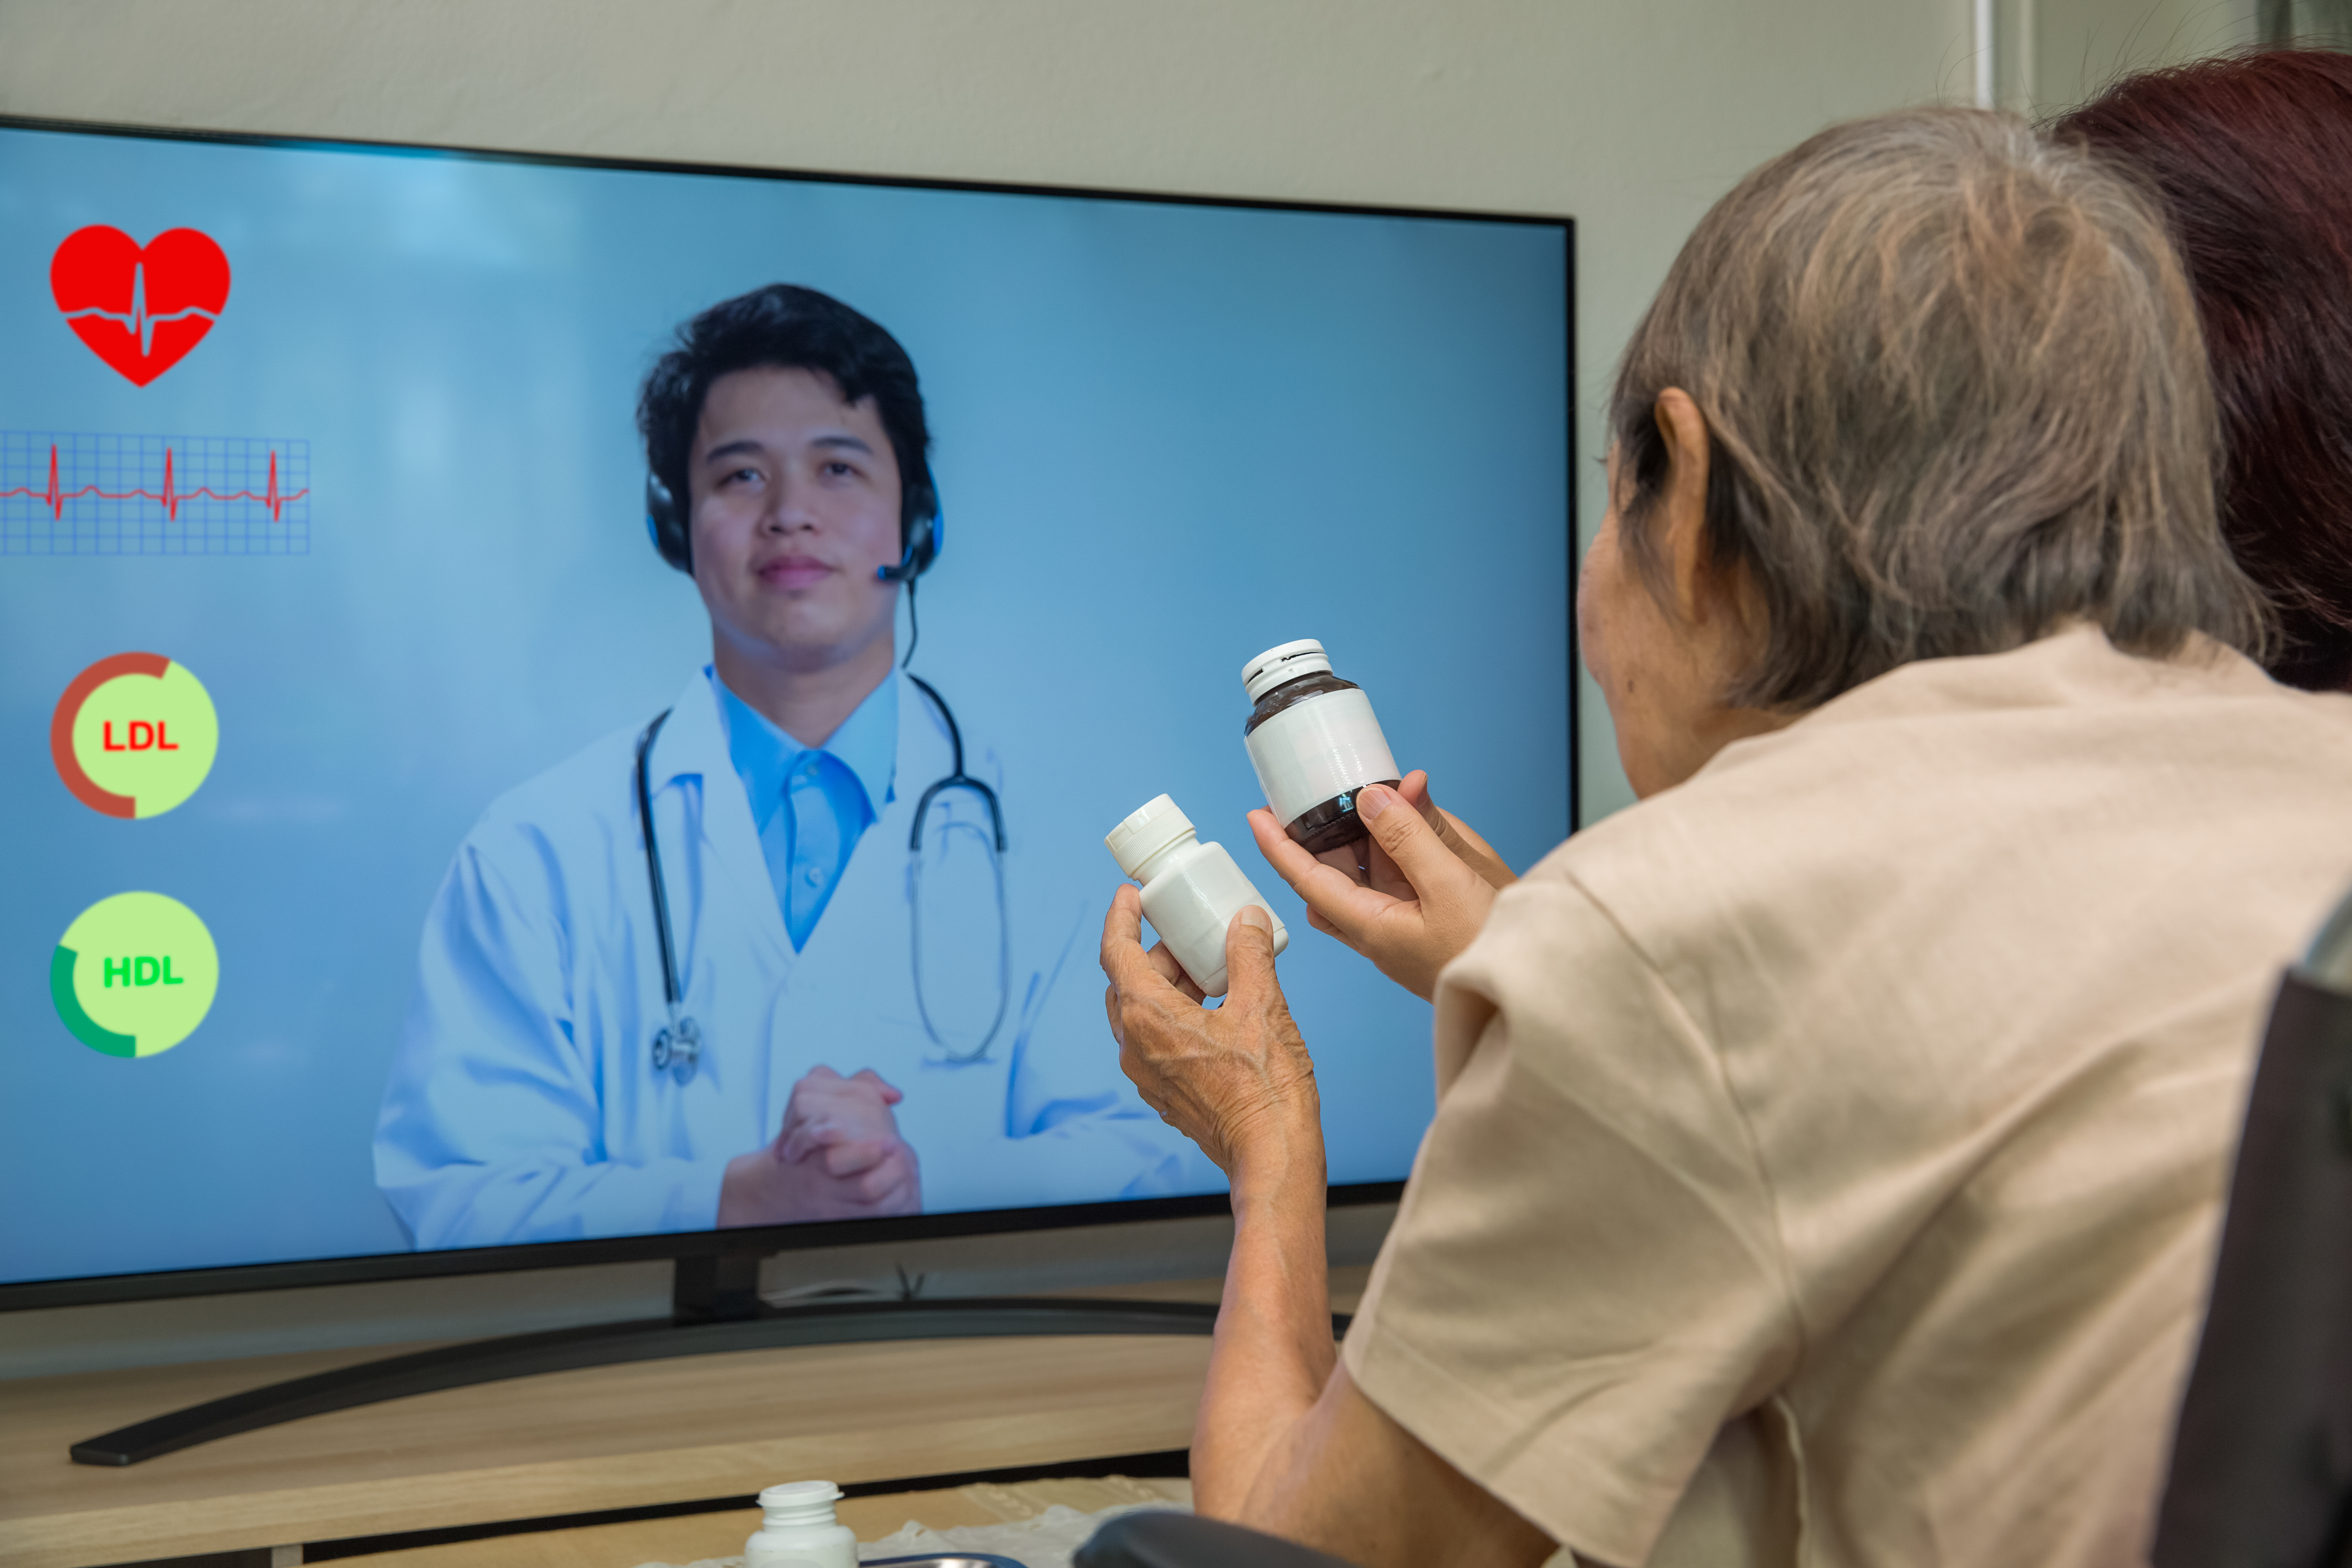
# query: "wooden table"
[[580, 1442], [691, 1538]]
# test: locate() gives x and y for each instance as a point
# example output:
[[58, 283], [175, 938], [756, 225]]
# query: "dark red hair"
[[2251, 157]]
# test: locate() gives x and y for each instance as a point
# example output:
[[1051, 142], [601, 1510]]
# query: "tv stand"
[[715, 1307]]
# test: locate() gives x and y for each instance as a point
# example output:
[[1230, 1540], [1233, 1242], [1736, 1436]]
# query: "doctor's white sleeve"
[[1075, 1127], [491, 1130]]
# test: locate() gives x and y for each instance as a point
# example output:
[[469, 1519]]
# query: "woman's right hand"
[[1427, 882]]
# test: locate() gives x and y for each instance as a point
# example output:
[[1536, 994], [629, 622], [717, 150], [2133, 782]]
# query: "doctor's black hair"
[[782, 327]]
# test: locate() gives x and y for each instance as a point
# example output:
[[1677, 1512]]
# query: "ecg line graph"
[[170, 497], [152, 495], [137, 320]]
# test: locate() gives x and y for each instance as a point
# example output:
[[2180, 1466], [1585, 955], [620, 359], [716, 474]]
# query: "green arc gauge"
[[134, 975]]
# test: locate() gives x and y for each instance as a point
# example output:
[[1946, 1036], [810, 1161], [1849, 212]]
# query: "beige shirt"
[[1877, 1085]]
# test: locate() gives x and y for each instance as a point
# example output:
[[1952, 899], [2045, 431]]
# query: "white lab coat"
[[523, 1104]]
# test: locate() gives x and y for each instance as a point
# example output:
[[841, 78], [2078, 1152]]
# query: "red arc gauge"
[[133, 735]]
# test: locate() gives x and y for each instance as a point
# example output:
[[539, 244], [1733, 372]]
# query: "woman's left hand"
[[1425, 894], [1237, 1079]]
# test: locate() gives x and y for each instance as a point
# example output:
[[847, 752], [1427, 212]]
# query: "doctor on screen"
[[807, 985]]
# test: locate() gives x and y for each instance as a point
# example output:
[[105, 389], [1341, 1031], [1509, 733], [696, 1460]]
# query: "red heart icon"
[[140, 310]]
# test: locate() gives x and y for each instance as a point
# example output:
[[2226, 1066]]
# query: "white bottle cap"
[[799, 1494], [1284, 661], [1150, 828]]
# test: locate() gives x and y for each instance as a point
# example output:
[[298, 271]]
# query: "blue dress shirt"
[[812, 804]]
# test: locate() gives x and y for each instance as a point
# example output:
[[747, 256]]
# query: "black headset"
[[919, 535]]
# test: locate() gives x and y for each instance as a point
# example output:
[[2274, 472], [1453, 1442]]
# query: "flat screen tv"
[[339, 595]]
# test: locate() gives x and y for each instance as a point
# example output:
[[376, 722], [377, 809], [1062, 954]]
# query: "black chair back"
[[1157, 1539], [2261, 1460]]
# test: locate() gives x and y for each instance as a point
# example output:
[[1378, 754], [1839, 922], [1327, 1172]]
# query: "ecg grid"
[[152, 495]]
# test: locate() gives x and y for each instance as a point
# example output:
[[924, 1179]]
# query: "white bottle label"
[[1191, 904], [1325, 746], [827, 1545]]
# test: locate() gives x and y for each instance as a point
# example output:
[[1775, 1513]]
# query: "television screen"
[[337, 610]]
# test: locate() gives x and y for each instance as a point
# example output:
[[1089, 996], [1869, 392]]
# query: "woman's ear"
[[1679, 524], [1717, 595]]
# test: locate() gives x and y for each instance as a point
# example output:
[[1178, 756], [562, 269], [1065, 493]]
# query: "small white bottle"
[[1191, 891], [1314, 742], [800, 1531]]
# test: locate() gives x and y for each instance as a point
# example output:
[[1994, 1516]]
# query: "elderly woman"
[[1828, 1149], [2252, 158]]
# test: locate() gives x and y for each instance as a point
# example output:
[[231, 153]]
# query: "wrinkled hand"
[[1425, 886], [839, 1156], [1237, 1079]]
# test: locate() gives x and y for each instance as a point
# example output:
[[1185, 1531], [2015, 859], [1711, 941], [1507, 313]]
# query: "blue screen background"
[[1168, 437]]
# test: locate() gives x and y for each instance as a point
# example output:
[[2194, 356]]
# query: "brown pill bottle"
[[1313, 741]]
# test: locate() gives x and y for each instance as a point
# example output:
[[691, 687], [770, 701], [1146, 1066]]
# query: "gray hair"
[[1955, 395]]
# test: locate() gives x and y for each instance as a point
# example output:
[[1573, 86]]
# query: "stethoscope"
[[677, 1045]]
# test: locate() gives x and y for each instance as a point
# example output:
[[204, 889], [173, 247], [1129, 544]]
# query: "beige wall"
[[2056, 53], [1633, 117]]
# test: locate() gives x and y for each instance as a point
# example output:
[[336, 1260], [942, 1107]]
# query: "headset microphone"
[[922, 549]]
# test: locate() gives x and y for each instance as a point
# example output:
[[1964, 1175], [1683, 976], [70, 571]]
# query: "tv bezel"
[[763, 1240]]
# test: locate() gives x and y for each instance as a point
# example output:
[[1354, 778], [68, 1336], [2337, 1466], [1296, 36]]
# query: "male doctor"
[[529, 1100]]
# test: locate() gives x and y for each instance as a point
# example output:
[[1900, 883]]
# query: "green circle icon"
[[134, 975]]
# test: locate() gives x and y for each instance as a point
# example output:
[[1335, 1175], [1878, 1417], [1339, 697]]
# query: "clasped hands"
[[1237, 1079], [838, 1156]]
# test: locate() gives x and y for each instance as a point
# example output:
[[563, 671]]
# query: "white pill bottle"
[[1191, 891], [1314, 743], [800, 1531]]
